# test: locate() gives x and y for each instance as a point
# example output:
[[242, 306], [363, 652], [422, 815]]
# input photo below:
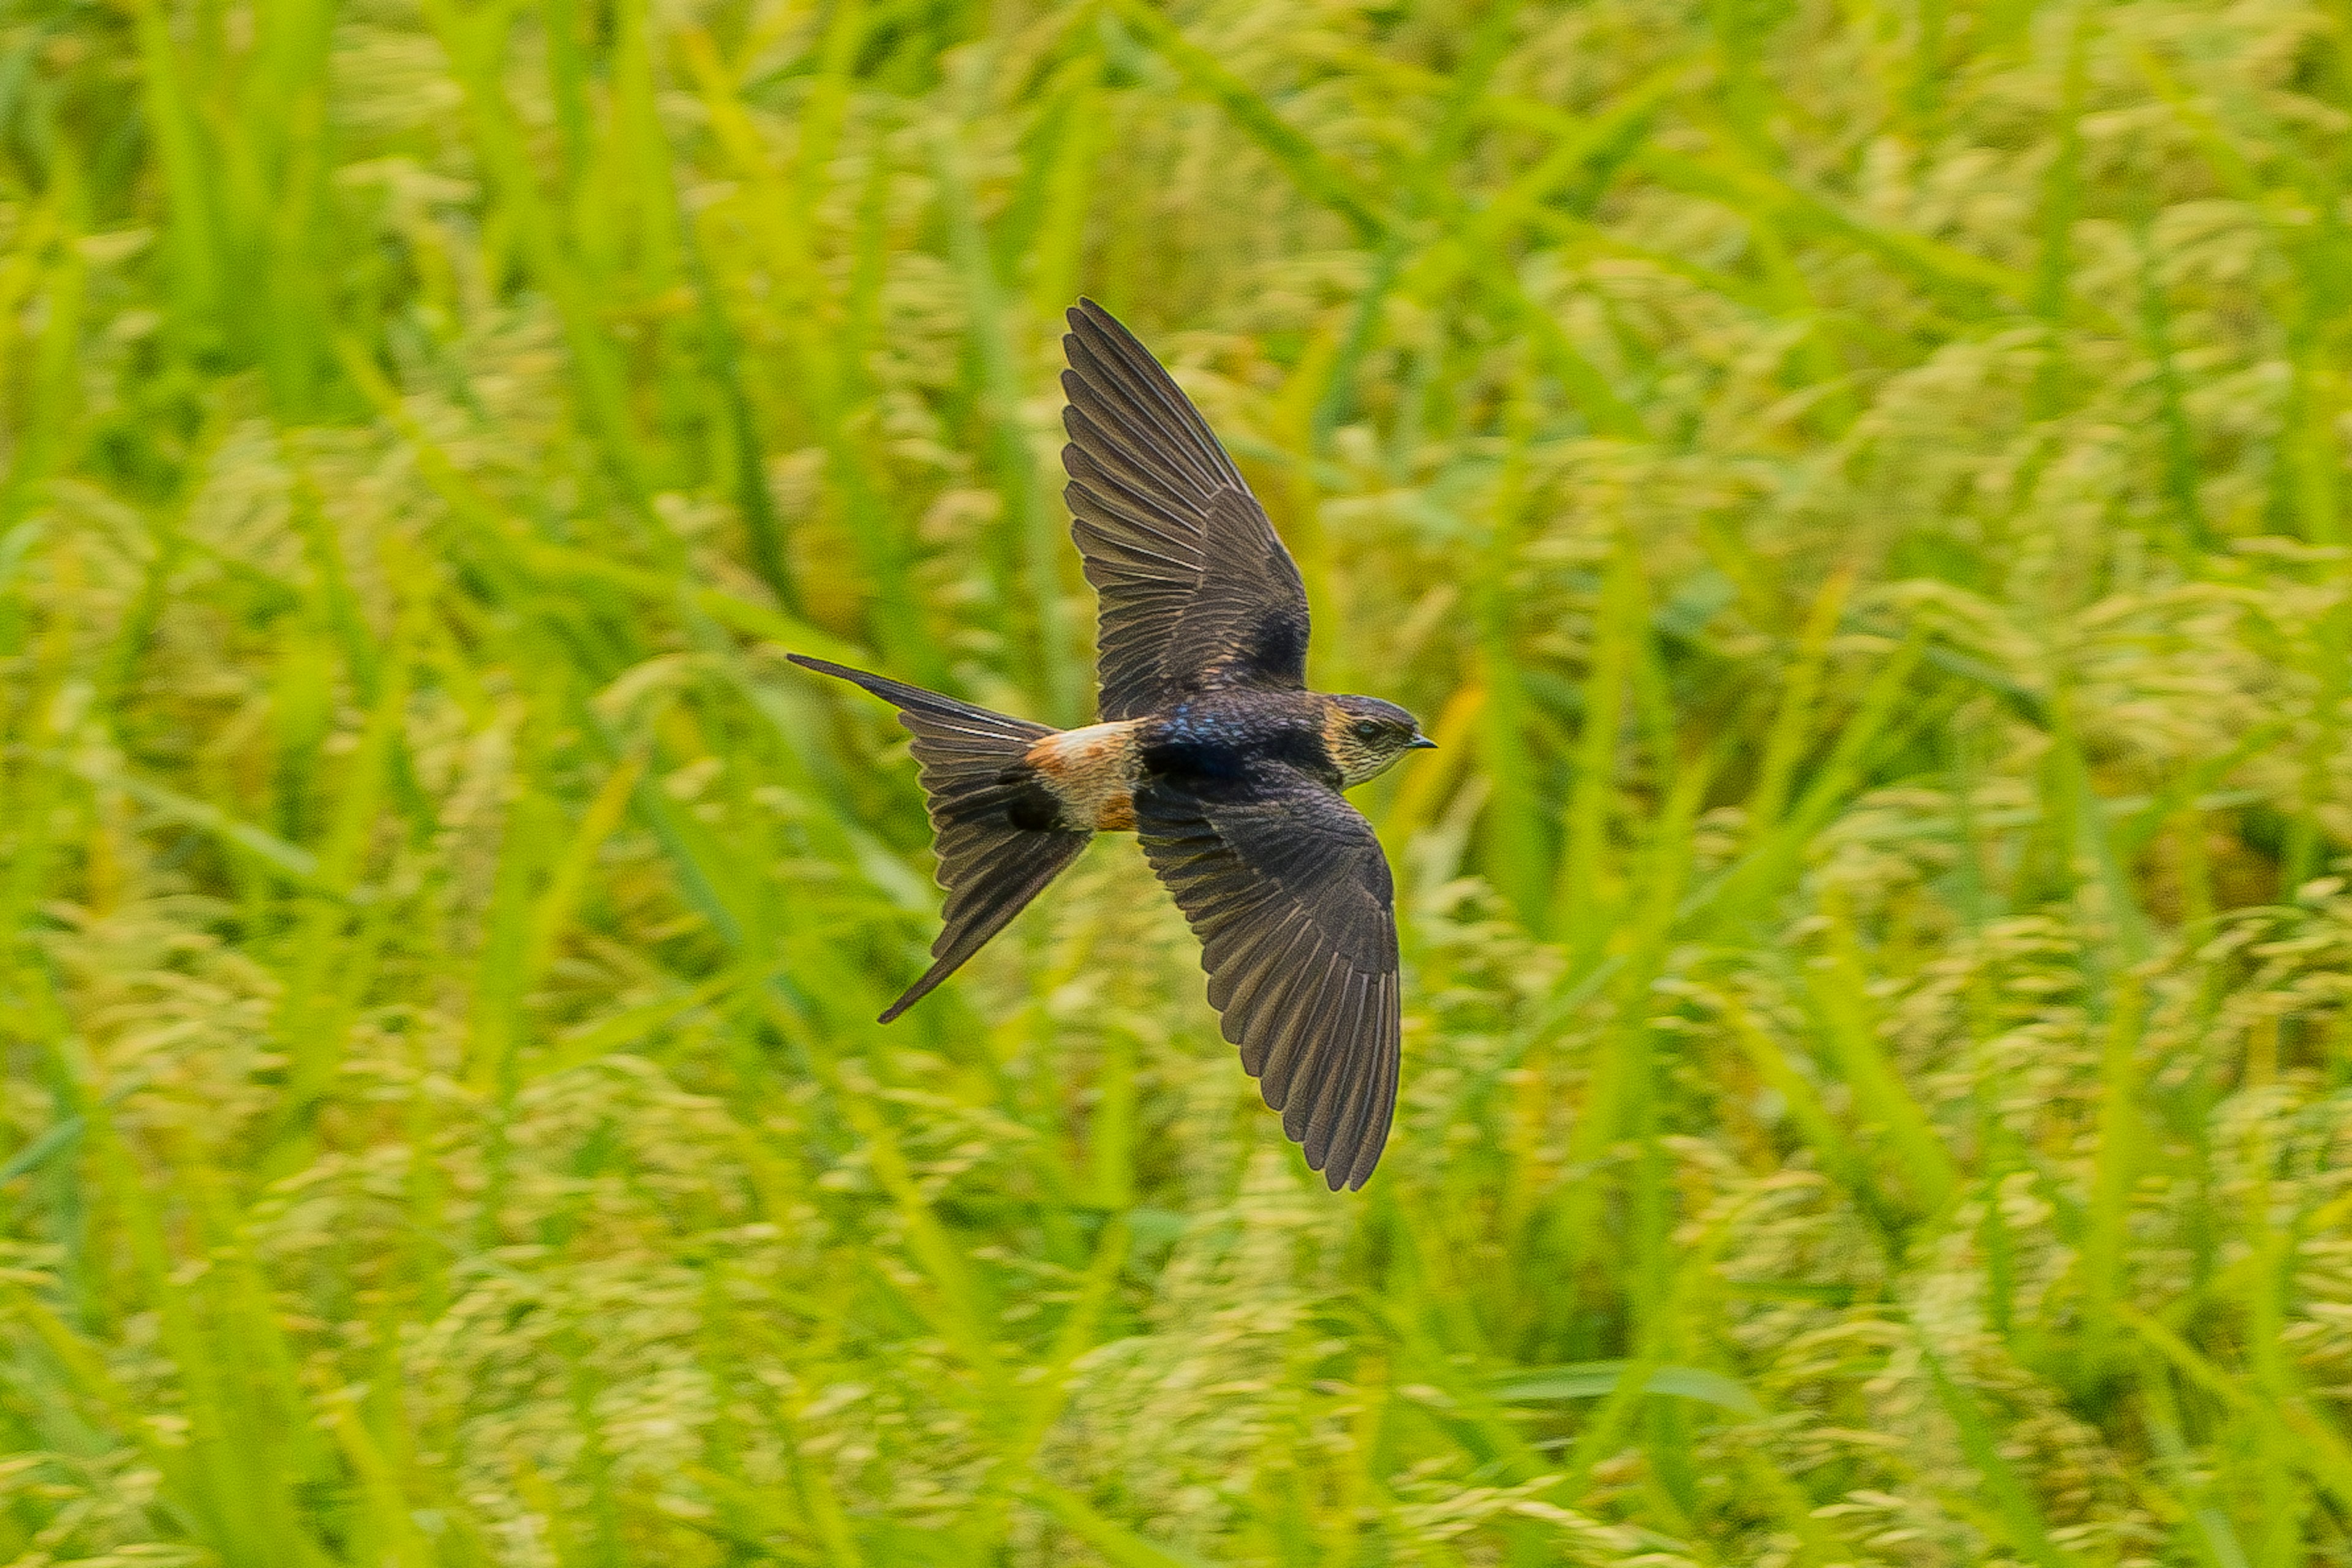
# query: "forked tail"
[[991, 826]]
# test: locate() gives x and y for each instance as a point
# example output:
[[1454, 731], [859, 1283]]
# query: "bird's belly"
[[1092, 771]]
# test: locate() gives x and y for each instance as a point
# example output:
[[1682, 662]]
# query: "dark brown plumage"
[[1196, 590], [1211, 747]]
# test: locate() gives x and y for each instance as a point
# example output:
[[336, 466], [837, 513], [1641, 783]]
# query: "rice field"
[[1854, 487]]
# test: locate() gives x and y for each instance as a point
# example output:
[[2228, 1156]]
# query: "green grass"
[[1856, 488]]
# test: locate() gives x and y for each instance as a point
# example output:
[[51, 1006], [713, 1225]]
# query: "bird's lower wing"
[[1289, 893]]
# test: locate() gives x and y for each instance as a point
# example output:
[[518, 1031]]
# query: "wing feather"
[[1379, 1102], [1138, 392], [1296, 1044], [1238, 972], [1310, 1087]]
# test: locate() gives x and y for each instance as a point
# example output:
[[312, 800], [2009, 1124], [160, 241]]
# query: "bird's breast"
[[1230, 734], [1093, 773]]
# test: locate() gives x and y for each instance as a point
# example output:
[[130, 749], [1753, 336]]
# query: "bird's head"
[[1365, 735]]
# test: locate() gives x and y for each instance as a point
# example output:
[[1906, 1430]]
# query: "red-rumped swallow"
[[1210, 749]]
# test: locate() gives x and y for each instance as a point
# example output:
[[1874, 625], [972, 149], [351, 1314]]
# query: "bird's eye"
[[1368, 729]]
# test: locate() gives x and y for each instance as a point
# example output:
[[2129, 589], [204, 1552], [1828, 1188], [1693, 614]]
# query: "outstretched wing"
[[1197, 592], [1290, 895]]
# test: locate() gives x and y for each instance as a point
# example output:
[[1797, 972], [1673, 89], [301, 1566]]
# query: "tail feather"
[[989, 865]]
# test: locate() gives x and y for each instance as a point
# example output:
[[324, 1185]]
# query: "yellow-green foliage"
[[1856, 487]]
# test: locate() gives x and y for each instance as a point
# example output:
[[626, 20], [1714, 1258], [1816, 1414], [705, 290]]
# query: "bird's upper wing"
[[1290, 895], [1197, 591]]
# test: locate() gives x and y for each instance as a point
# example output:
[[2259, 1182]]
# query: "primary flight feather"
[[1211, 749]]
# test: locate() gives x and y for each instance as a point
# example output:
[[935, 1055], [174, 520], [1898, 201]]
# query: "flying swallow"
[[1211, 749]]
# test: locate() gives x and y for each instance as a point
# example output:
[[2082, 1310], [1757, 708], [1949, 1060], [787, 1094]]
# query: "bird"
[[1209, 747]]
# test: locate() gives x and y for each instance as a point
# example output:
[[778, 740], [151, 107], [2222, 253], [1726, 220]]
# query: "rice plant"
[[1854, 485]]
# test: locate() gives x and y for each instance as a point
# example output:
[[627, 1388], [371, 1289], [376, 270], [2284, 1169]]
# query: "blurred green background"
[[1855, 486]]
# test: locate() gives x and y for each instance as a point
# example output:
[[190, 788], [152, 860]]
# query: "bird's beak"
[[1422, 743]]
